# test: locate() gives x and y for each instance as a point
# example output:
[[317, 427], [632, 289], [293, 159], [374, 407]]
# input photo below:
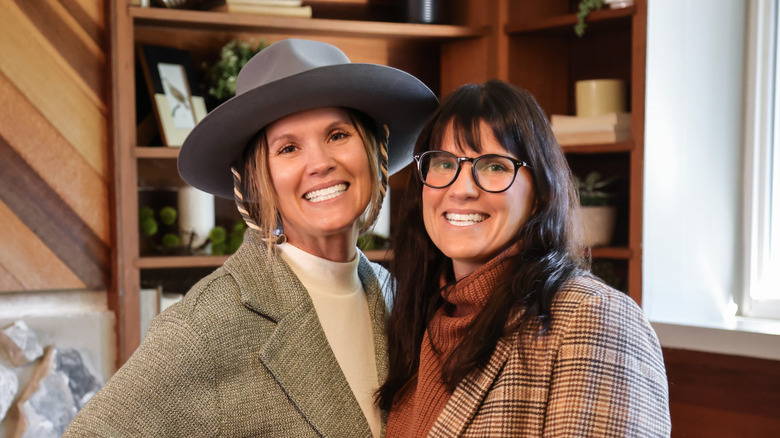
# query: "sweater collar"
[[470, 294], [270, 287], [317, 273]]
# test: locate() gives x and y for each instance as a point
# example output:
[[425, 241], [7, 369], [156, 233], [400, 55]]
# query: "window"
[[761, 296]]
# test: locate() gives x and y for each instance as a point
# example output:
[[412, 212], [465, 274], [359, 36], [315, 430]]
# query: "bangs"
[[466, 134], [465, 116]]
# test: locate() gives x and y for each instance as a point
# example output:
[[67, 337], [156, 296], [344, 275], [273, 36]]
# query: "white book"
[[288, 3], [285, 11], [149, 307], [611, 121], [582, 138]]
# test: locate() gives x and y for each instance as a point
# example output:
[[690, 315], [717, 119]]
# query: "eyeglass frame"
[[458, 160]]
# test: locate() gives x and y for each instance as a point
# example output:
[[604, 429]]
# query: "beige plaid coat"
[[598, 372]]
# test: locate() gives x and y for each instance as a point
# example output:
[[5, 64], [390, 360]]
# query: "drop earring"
[[280, 236]]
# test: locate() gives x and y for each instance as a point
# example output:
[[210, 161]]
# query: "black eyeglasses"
[[492, 173]]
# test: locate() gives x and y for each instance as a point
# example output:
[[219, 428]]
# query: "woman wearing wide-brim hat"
[[287, 337]]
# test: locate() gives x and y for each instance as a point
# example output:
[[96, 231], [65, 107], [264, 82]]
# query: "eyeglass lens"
[[493, 173]]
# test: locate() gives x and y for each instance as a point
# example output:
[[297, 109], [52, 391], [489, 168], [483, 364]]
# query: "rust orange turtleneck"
[[418, 409]]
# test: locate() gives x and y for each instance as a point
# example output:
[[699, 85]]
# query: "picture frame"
[[177, 102]]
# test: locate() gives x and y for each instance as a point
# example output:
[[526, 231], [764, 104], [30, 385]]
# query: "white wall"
[[693, 159], [692, 241]]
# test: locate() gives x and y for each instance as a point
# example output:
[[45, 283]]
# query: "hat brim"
[[388, 95]]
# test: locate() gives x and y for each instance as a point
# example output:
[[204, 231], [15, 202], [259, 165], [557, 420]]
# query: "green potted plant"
[[224, 242], [221, 75], [158, 230], [160, 235], [598, 210], [585, 7]]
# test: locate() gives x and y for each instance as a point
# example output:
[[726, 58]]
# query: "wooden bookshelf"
[[545, 57], [530, 43], [422, 50]]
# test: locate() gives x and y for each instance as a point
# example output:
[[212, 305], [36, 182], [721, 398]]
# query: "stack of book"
[[615, 4], [287, 8], [605, 128]]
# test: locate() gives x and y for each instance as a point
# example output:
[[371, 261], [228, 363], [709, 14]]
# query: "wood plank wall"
[[715, 395], [54, 164]]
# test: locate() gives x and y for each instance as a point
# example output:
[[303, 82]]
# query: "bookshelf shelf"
[[604, 148], [164, 262], [611, 252], [205, 261], [565, 23], [379, 255], [211, 21], [157, 152]]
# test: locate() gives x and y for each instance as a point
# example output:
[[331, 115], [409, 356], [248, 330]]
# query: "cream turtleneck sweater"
[[341, 306]]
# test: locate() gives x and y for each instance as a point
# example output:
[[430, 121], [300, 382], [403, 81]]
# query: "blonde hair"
[[260, 207]]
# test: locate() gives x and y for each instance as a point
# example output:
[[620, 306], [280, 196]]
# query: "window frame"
[[762, 140]]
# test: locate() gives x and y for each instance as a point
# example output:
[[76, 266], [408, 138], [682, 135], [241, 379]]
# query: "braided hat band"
[[239, 199]]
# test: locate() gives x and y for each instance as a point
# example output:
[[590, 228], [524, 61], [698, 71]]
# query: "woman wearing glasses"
[[498, 328]]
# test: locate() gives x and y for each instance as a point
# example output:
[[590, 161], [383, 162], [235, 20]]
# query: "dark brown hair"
[[550, 255]]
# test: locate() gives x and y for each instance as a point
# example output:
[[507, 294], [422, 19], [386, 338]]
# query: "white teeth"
[[325, 194], [464, 220]]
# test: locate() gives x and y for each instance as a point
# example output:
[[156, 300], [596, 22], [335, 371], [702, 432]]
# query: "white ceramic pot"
[[598, 224]]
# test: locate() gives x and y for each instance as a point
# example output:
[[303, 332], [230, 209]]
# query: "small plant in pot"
[[222, 73], [159, 232], [584, 9], [598, 210]]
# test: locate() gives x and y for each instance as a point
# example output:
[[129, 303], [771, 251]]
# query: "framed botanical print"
[[177, 103]]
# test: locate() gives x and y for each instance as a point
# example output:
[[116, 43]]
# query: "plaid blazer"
[[597, 372], [243, 354]]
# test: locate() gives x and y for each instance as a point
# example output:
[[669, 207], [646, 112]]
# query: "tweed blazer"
[[242, 355], [597, 372]]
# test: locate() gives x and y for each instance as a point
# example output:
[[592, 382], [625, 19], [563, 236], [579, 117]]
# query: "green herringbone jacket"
[[242, 355]]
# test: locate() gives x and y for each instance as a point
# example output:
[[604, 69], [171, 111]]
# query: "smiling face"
[[469, 225], [321, 175]]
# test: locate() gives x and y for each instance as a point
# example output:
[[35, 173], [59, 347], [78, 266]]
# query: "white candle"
[[382, 225], [196, 214]]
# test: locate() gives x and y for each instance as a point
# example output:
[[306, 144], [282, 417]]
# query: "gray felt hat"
[[294, 75]]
